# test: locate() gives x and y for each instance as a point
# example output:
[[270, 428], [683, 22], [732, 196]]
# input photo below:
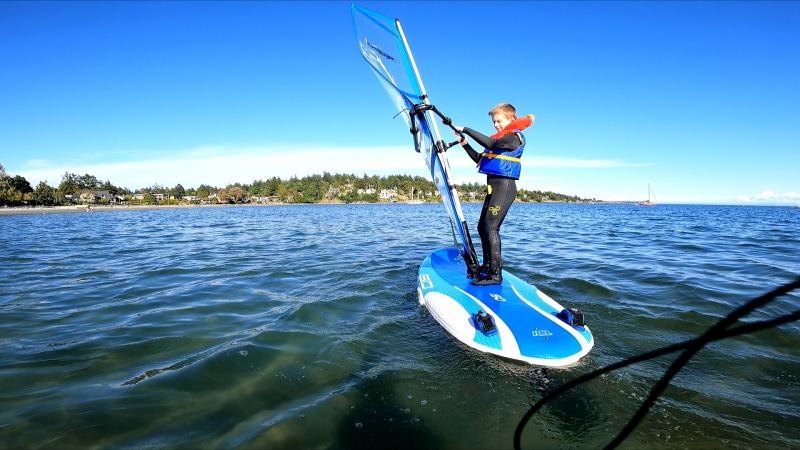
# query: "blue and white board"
[[527, 326]]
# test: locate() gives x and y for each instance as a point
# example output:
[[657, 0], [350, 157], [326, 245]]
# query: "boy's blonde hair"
[[504, 108]]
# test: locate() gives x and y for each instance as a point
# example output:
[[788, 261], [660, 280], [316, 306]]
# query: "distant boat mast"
[[651, 198], [418, 201]]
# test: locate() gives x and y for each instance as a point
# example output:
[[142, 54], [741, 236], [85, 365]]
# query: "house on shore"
[[388, 194], [368, 191], [97, 197], [265, 199]]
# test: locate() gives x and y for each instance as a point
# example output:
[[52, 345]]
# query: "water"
[[298, 327]]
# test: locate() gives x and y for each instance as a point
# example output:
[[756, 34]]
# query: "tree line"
[[329, 188]]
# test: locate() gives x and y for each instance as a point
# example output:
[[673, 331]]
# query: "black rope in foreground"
[[690, 347]]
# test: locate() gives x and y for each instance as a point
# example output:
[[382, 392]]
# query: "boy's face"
[[500, 120]]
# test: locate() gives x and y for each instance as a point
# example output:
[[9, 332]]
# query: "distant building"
[[265, 199], [96, 196], [368, 191], [388, 194]]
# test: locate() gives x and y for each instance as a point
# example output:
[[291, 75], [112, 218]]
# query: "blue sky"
[[698, 99]]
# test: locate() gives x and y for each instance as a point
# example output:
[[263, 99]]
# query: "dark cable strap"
[[717, 332]]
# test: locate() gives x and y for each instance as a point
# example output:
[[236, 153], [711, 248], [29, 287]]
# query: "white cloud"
[[770, 196], [559, 163], [574, 163], [37, 163], [219, 165]]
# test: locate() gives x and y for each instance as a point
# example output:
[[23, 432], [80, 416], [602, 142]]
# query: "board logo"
[[425, 281], [497, 297], [541, 333]]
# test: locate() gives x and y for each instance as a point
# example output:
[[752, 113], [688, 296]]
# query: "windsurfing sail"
[[385, 48]]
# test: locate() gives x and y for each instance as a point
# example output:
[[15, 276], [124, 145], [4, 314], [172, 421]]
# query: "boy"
[[500, 161]]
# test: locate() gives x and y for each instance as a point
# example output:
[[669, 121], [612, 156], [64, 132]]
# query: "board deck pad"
[[527, 326]]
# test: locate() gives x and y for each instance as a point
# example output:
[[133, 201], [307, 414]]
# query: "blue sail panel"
[[384, 48]]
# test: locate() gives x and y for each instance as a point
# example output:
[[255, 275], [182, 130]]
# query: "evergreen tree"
[[88, 182], [44, 194], [69, 184], [20, 184], [178, 191], [204, 190]]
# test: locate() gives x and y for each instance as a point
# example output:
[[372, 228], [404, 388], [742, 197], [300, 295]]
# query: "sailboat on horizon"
[[418, 201], [651, 197]]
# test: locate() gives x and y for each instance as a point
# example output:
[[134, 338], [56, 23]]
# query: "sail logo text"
[[377, 50]]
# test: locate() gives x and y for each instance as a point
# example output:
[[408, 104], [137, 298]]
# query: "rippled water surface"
[[298, 327]]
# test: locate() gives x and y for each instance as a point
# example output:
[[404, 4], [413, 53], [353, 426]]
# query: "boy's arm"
[[475, 156], [508, 142]]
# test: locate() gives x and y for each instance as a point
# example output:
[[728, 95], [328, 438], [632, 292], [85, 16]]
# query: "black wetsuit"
[[500, 194]]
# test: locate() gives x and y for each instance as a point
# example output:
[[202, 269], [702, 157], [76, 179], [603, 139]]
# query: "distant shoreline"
[[28, 210], [31, 210], [16, 211]]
